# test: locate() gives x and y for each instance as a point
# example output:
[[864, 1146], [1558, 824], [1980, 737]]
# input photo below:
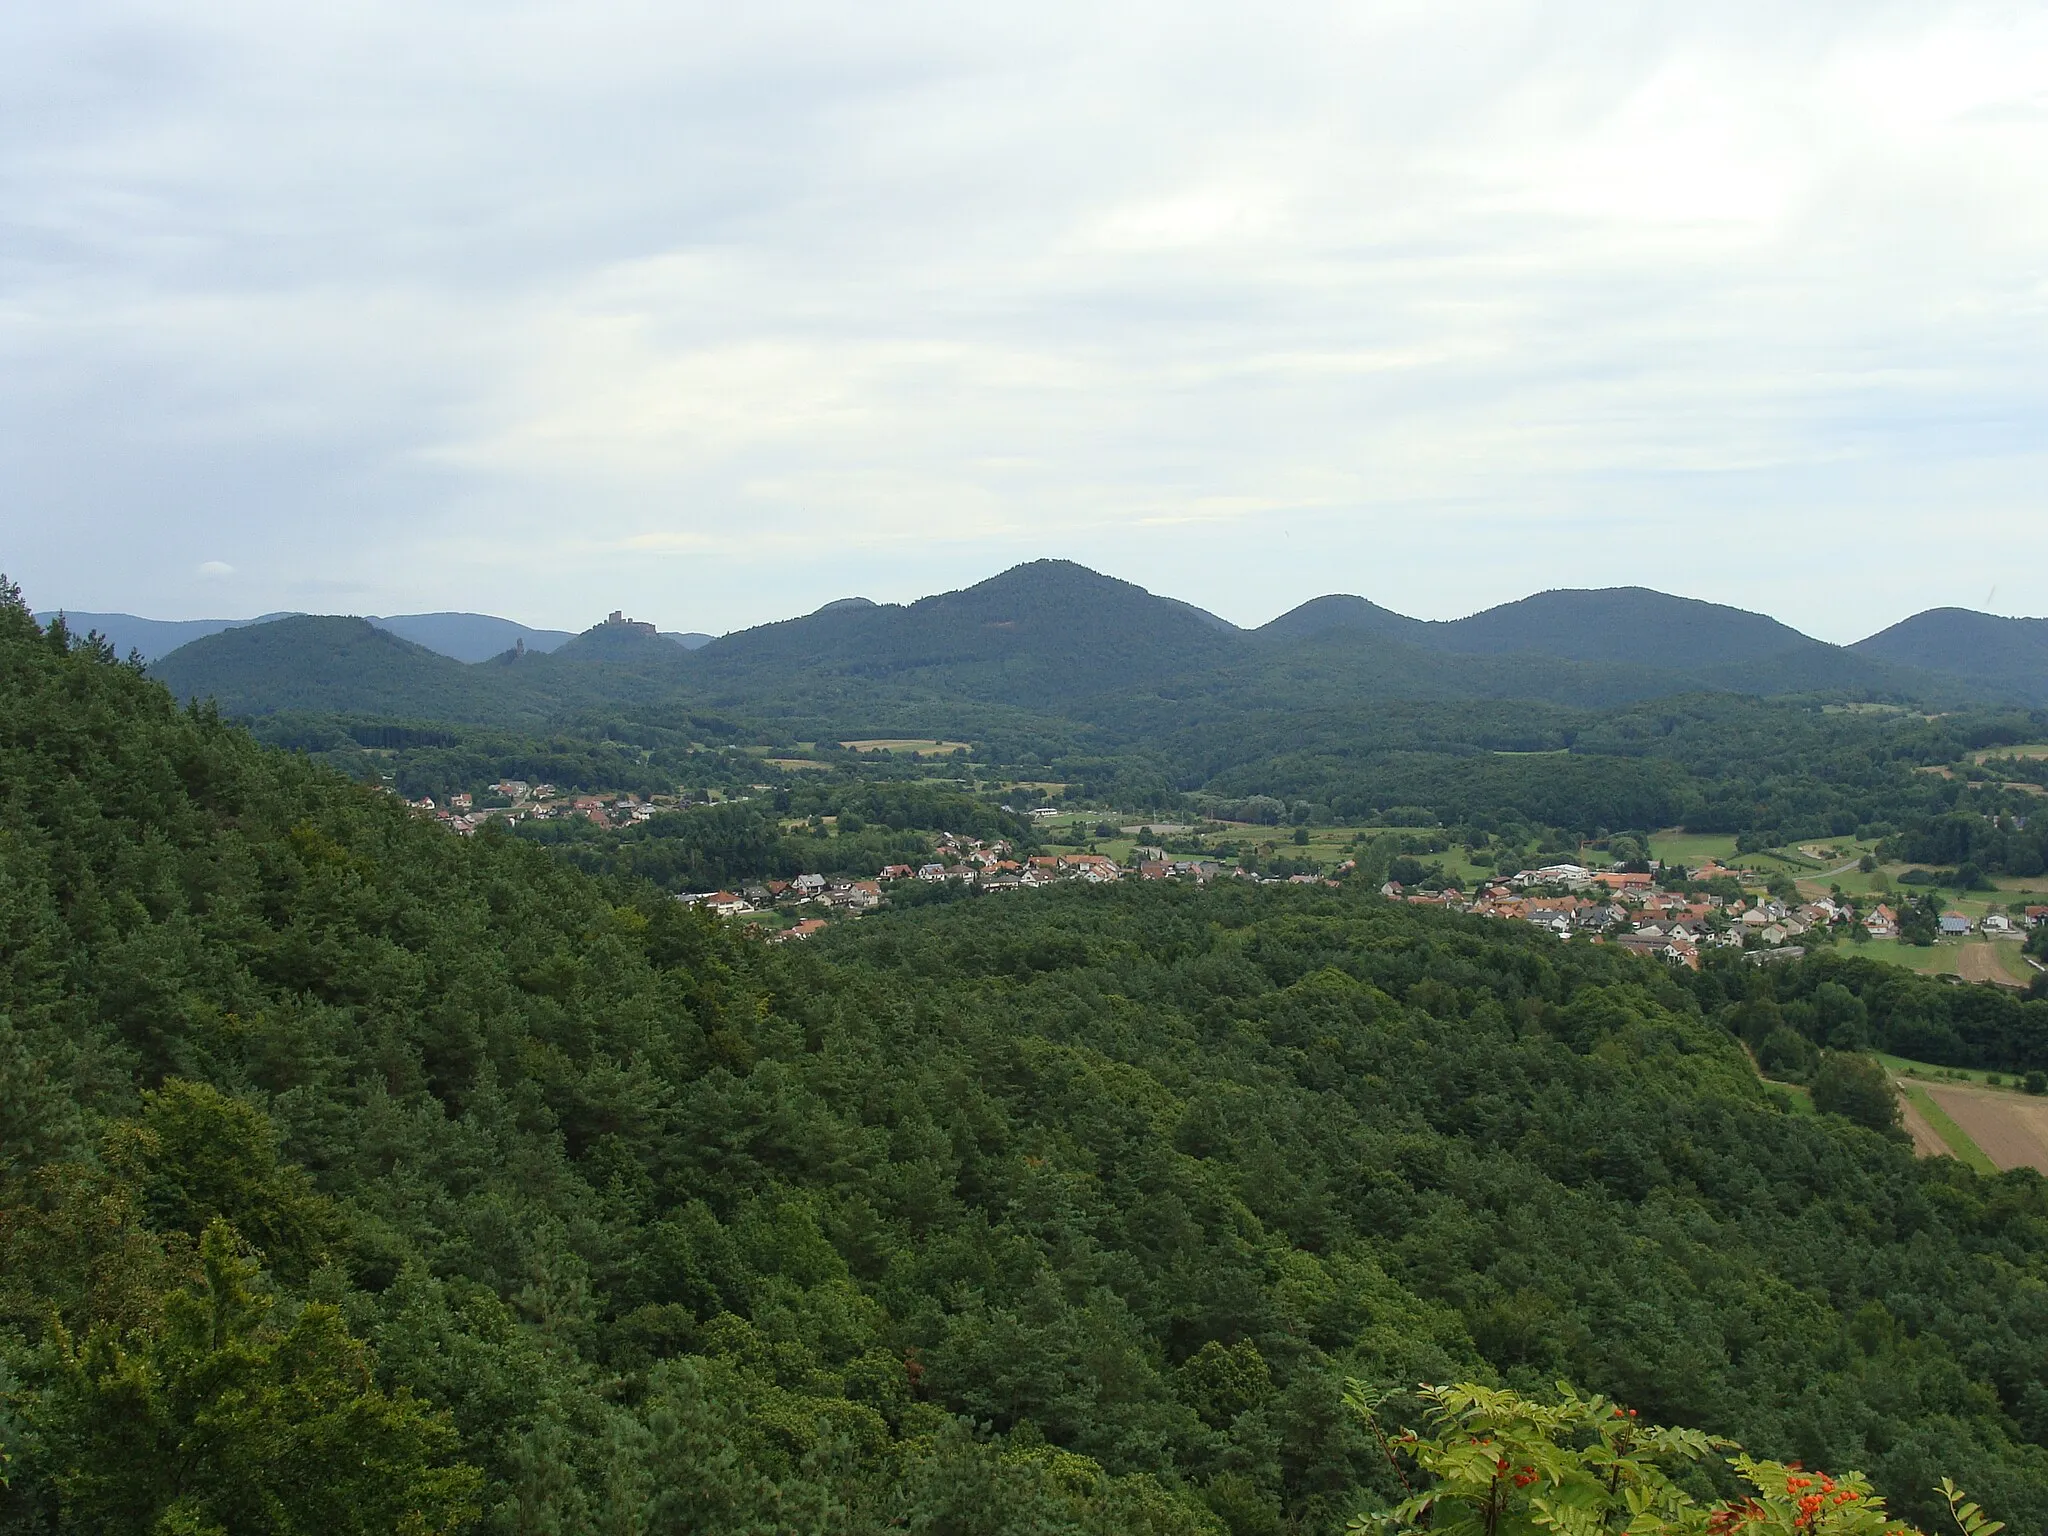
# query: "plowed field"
[[2012, 1128]]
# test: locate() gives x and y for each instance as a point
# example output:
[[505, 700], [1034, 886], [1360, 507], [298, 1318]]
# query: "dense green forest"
[[354, 1174]]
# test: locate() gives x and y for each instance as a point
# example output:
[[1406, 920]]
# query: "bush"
[[1495, 1463], [1856, 1088], [2035, 1082], [1786, 1054]]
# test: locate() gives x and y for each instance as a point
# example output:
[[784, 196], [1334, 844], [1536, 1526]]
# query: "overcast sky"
[[716, 312]]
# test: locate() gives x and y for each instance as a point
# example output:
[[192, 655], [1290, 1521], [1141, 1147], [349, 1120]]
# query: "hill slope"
[[2010, 655], [1636, 641], [1037, 636], [328, 664]]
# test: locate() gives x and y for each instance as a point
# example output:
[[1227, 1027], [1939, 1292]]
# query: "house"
[[1092, 866], [1955, 922], [1616, 880], [864, 895], [2036, 916], [1996, 922], [898, 872], [1882, 922], [725, 904], [802, 930], [809, 885]]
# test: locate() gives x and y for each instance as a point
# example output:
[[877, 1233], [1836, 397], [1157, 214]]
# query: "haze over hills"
[[1052, 639], [467, 637], [151, 638]]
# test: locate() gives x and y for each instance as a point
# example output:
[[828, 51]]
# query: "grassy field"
[[1693, 848], [1905, 1066], [1937, 959], [2025, 749], [1958, 1140], [1791, 1095], [895, 744]]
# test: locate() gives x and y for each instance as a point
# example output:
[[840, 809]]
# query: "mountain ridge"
[[1052, 638]]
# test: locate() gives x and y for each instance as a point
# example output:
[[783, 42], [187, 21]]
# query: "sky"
[[714, 313]]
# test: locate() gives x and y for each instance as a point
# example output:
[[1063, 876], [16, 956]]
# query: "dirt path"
[[1927, 1141], [2012, 1128], [1979, 962]]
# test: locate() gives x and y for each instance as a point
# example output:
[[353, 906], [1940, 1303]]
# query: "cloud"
[[719, 312], [215, 570]]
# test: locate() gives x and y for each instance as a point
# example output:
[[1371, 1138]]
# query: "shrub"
[[1494, 1463]]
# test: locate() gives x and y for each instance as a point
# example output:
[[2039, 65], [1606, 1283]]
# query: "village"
[[514, 800], [1631, 909]]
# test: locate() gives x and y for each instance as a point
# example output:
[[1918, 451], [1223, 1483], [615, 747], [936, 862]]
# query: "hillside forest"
[[356, 1176]]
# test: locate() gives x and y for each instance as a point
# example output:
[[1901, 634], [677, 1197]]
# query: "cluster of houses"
[[537, 802], [1628, 910], [988, 866]]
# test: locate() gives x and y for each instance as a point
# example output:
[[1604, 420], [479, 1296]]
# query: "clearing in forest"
[[893, 744], [2012, 1128], [1927, 1141], [1984, 960]]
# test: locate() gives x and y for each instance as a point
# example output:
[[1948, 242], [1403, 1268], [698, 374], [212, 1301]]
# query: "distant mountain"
[[1620, 624], [1052, 642], [1037, 636], [689, 640], [152, 637], [1642, 638], [2008, 655], [469, 636], [1633, 626], [464, 636], [323, 663], [620, 639], [1340, 611]]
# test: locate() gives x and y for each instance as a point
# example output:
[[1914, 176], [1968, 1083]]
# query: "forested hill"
[[1613, 624], [353, 1174], [1054, 642], [1999, 652]]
